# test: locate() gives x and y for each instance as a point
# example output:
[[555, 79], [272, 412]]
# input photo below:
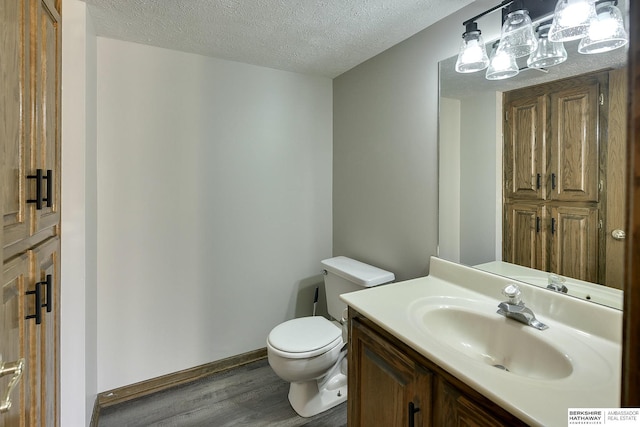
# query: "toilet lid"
[[305, 334]]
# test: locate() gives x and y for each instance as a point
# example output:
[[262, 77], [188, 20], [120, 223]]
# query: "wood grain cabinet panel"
[[30, 135], [574, 242], [559, 157], [14, 129], [388, 382], [574, 143], [45, 83], [392, 385], [523, 234], [14, 333], [523, 148]]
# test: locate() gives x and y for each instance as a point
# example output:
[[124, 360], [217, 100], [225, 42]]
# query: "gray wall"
[[385, 158], [480, 161], [214, 206]]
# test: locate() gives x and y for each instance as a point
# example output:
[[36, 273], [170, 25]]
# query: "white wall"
[[449, 179], [478, 145], [214, 205], [78, 256], [386, 151]]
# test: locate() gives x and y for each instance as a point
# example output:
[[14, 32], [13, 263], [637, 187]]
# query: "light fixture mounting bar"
[[488, 11]]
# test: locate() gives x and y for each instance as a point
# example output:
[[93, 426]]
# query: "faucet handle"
[[512, 291]]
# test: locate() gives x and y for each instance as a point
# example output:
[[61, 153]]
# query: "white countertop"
[[588, 334]]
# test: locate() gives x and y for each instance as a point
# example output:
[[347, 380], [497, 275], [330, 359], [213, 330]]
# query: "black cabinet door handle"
[[553, 181], [49, 178], [412, 412], [48, 304], [38, 305], [553, 226], [38, 199]]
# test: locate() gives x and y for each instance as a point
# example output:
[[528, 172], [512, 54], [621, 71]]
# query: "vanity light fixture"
[[503, 64], [606, 31], [571, 19], [599, 23], [517, 37], [473, 53], [548, 53]]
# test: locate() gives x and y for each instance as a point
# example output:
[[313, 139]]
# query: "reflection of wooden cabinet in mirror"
[[563, 147]]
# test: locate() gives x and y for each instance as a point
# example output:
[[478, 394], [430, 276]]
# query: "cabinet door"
[[46, 272], [574, 242], [523, 235], [46, 103], [453, 408], [386, 388], [13, 127], [14, 330], [574, 143], [524, 160], [616, 183]]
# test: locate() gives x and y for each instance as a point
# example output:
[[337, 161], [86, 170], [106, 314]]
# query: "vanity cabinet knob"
[[14, 369], [618, 234]]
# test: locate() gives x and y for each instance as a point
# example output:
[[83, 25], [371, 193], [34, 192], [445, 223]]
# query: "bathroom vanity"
[[434, 351]]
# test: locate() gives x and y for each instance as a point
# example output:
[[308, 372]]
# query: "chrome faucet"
[[556, 283], [514, 308]]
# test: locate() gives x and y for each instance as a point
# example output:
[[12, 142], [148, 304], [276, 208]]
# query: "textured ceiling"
[[321, 37]]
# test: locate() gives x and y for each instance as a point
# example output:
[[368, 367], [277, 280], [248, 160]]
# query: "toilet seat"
[[304, 337]]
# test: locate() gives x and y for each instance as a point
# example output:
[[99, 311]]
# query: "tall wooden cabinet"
[[30, 140], [556, 143]]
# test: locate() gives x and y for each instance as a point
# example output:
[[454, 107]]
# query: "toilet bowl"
[[310, 352], [303, 352]]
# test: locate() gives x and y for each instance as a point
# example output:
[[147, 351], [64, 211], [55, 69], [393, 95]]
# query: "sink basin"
[[481, 334]]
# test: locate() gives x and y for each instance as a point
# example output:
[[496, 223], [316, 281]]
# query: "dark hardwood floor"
[[250, 395]]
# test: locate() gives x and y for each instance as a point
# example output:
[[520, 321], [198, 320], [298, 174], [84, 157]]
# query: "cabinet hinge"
[[601, 99]]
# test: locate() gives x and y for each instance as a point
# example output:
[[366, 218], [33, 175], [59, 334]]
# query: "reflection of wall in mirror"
[[470, 175]]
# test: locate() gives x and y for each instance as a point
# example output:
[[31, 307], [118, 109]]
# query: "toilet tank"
[[343, 275]]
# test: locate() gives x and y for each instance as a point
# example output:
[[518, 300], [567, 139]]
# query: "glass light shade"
[[571, 20], [473, 54], [606, 31], [502, 66], [548, 53], [517, 35]]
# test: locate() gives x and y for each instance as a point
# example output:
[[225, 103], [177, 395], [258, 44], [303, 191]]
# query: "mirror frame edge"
[[630, 385]]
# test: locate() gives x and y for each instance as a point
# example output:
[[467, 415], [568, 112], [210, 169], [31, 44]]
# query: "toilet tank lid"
[[357, 272]]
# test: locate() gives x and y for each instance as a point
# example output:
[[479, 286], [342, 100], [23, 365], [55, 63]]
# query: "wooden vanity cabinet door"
[[524, 241], [46, 95], [14, 137], [453, 408], [524, 160], [574, 155], [383, 382], [574, 242]]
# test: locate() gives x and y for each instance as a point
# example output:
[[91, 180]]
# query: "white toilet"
[[310, 351]]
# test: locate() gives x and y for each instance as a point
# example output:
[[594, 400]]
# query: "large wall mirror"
[[472, 211]]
